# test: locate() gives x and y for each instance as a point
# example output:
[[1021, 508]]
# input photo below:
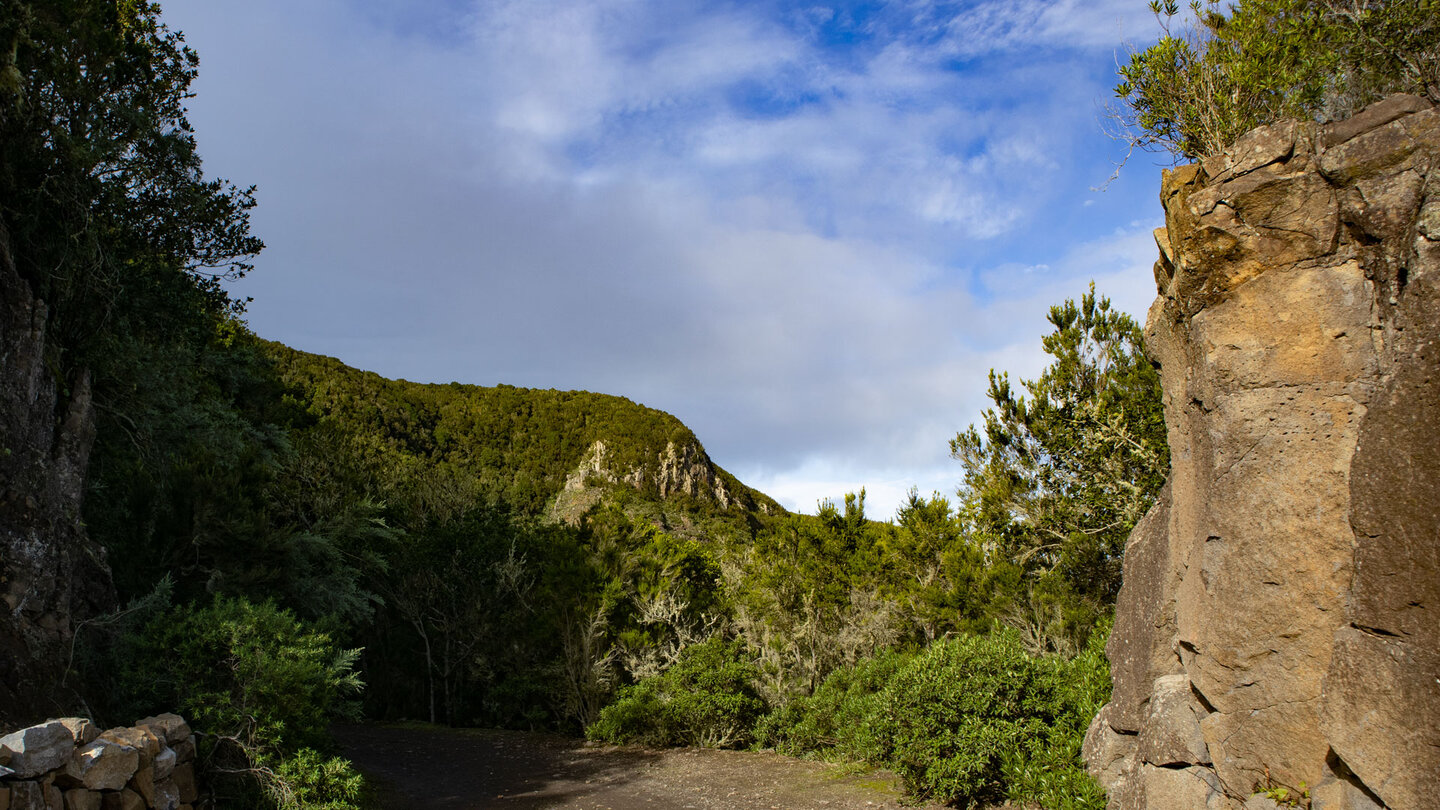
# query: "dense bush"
[[971, 720], [840, 715], [707, 698], [259, 686]]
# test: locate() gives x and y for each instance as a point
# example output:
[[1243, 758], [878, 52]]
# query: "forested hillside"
[[507, 445]]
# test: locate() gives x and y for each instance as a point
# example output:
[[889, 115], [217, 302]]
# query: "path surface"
[[421, 767]]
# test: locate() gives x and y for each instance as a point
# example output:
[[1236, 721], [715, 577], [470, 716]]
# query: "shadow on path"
[[466, 769]]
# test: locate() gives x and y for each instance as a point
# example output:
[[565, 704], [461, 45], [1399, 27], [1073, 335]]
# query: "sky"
[[808, 230]]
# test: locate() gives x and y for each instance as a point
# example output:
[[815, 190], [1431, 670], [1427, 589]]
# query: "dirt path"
[[455, 769]]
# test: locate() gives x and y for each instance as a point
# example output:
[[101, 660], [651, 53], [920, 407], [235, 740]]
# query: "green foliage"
[[111, 220], [971, 720], [1219, 75], [294, 503], [439, 450], [707, 698], [1283, 795], [310, 780], [251, 672], [260, 686], [840, 716], [1055, 480]]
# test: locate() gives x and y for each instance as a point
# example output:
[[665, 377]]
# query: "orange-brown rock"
[[1279, 608]]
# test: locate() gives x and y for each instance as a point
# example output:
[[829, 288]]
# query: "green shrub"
[[951, 714], [310, 780], [841, 715], [260, 686], [707, 698], [971, 721]]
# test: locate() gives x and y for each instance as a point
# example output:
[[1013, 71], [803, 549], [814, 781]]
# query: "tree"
[[1054, 482], [100, 181], [115, 228], [1216, 76]]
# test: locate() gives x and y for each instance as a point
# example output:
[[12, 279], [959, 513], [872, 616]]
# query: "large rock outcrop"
[[1279, 622], [51, 575], [680, 469]]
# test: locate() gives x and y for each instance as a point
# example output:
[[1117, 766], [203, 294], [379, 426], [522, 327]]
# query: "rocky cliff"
[[51, 575], [684, 469], [1278, 621]]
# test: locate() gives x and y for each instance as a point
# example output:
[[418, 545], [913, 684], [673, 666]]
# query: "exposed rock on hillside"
[[51, 575], [684, 469], [1279, 609]]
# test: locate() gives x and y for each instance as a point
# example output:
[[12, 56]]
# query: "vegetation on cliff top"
[[1216, 75]]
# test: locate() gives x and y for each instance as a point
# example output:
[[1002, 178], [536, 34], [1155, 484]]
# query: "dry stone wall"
[[69, 764], [1278, 620]]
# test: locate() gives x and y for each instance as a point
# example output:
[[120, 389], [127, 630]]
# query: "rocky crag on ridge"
[[1278, 620]]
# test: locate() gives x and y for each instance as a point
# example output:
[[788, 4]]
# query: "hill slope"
[[541, 452]]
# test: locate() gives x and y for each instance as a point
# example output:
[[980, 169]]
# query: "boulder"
[[38, 749], [171, 728], [141, 739], [167, 796], [184, 779], [123, 800], [164, 763], [1172, 735], [1109, 754], [27, 796], [143, 783], [103, 765], [1335, 793], [1192, 788], [81, 729]]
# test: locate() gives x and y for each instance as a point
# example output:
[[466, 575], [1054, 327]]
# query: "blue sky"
[[808, 230]]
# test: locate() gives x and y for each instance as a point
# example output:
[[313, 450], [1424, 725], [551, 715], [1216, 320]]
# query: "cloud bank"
[[808, 231]]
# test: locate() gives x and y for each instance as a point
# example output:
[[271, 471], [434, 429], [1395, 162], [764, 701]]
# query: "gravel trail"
[[466, 769]]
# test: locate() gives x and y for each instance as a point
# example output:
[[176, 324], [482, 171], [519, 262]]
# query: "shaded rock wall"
[[1278, 620], [51, 575]]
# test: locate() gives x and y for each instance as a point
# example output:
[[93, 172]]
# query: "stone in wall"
[[1277, 622]]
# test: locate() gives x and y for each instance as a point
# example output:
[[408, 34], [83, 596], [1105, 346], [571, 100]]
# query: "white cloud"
[[1023, 24]]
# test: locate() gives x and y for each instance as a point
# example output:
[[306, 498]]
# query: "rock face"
[[1280, 614], [680, 469], [51, 575]]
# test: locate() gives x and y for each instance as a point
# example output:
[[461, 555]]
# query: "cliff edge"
[[1278, 620]]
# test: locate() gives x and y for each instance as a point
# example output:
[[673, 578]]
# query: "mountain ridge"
[[546, 452]]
